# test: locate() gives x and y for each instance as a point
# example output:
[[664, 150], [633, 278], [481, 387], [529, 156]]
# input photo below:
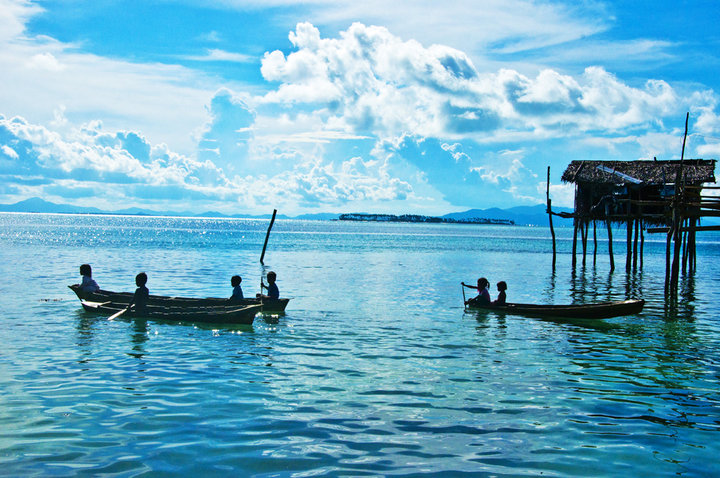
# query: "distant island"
[[419, 218]]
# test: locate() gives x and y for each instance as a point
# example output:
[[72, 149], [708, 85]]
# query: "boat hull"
[[603, 310], [210, 314], [268, 305]]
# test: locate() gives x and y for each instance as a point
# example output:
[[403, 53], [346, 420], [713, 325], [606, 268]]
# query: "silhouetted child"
[[483, 296], [272, 288], [237, 293], [502, 287], [142, 294], [87, 284]]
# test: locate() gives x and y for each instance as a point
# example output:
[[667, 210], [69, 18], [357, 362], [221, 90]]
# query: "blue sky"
[[342, 106]]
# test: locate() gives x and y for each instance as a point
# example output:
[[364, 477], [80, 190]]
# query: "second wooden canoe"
[[599, 310]]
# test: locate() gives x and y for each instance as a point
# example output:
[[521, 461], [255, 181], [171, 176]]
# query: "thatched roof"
[[697, 171]]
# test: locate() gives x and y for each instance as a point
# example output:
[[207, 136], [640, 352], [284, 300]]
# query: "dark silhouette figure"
[[483, 297], [272, 288], [237, 293], [502, 287], [87, 284], [141, 296]]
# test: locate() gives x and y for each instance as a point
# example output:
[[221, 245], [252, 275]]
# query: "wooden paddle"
[[117, 314], [262, 284], [462, 286]]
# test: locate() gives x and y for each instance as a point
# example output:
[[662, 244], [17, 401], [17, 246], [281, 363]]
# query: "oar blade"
[[117, 314]]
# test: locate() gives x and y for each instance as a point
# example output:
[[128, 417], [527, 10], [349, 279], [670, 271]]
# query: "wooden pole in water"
[[678, 204], [585, 229], [594, 243], [635, 243], [667, 259], [610, 245], [693, 258], [574, 246], [673, 233], [682, 154], [642, 243], [267, 236], [685, 244], [677, 233], [549, 211], [676, 255], [575, 228], [628, 259]]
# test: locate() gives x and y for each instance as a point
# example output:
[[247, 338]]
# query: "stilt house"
[[657, 196]]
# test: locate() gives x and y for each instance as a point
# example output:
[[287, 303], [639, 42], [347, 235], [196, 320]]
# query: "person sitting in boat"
[[272, 288], [237, 293], [87, 284], [483, 297], [142, 294], [501, 287]]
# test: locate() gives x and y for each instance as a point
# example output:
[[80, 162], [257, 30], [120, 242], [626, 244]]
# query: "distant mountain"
[[521, 215], [212, 214], [40, 205]]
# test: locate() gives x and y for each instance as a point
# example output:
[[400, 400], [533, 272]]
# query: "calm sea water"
[[374, 370]]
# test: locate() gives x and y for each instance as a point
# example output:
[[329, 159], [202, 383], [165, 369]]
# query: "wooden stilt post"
[[594, 243], [574, 246], [685, 243], [584, 234], [676, 255], [610, 245], [549, 211], [671, 273], [693, 258], [677, 230], [628, 259], [667, 259], [635, 243], [642, 243]]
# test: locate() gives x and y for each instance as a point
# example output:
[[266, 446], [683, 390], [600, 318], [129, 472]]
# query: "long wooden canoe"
[[601, 310], [268, 305], [207, 314]]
